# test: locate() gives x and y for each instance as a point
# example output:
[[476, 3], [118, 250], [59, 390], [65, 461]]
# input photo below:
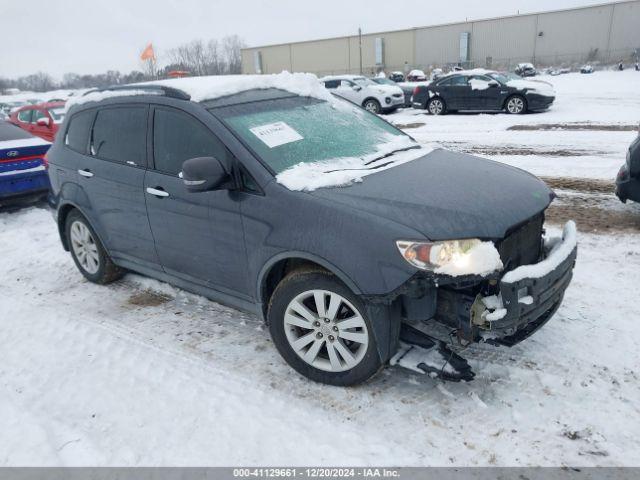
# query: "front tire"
[[516, 105], [372, 105], [436, 106], [87, 251], [322, 330]]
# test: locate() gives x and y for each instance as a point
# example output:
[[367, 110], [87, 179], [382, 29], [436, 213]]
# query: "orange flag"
[[148, 53]]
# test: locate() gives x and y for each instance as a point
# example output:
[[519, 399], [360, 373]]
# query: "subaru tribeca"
[[269, 194]]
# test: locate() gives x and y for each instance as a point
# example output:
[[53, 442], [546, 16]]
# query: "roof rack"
[[155, 89]]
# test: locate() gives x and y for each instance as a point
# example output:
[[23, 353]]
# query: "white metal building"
[[602, 33]]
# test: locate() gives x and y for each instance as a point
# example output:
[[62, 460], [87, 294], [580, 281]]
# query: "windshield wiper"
[[392, 153]]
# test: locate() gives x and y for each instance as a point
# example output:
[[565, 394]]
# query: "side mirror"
[[43, 122], [357, 88], [494, 84], [204, 174]]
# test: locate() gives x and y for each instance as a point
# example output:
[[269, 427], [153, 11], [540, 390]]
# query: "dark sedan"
[[628, 180], [482, 90]]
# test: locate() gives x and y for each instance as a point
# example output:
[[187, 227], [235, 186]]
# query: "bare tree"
[[231, 46]]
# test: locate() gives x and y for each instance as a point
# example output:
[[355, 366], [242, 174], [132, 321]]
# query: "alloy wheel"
[[515, 105], [372, 106], [436, 107], [326, 331], [84, 247]]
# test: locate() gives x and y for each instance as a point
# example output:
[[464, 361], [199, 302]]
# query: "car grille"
[[522, 245]]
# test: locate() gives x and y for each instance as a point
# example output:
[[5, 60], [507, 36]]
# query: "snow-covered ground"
[[141, 373]]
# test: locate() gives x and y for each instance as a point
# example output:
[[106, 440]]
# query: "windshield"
[[301, 130], [57, 114], [363, 82], [504, 77]]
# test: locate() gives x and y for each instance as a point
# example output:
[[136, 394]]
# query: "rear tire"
[[436, 106], [372, 105], [87, 251], [516, 105], [322, 330]]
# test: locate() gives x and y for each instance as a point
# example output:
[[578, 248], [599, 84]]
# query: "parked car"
[[41, 120], [526, 70], [586, 69], [482, 90], [366, 93], [22, 165], [407, 89], [396, 76], [436, 73], [628, 179], [237, 189], [416, 76]]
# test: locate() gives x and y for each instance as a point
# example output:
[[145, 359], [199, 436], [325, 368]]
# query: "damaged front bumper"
[[526, 298]]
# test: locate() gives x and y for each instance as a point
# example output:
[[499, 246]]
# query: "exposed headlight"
[[452, 257]]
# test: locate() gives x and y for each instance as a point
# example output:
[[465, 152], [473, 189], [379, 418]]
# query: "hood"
[[446, 195], [543, 88], [387, 89]]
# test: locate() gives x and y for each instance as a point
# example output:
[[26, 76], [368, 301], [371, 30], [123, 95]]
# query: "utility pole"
[[360, 46]]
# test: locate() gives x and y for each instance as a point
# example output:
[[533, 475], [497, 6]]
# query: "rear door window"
[[25, 116], [37, 115], [119, 134], [177, 137], [77, 137]]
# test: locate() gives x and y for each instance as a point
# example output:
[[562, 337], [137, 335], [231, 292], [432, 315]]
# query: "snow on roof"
[[474, 71], [207, 88], [341, 77], [216, 86]]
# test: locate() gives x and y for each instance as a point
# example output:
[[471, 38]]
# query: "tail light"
[[416, 90], [45, 162]]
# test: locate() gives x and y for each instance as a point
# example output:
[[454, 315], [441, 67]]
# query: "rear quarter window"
[[120, 134], [77, 137]]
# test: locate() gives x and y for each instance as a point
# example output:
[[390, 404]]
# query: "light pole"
[[360, 47]]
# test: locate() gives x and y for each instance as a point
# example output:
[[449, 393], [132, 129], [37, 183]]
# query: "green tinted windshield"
[[289, 131]]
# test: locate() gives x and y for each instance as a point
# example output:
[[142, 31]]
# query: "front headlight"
[[452, 257]]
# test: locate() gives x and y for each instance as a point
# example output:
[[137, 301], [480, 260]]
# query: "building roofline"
[[448, 24]]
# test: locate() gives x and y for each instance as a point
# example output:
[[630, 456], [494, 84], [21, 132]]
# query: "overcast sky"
[[92, 36]]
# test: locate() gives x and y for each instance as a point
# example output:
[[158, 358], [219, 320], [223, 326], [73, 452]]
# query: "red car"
[[42, 120]]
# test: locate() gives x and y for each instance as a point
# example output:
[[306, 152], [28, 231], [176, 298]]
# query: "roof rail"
[[155, 89]]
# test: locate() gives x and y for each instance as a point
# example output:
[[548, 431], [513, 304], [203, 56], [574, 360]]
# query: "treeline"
[[214, 57]]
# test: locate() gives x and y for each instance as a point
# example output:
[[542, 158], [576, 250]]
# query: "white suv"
[[365, 92]]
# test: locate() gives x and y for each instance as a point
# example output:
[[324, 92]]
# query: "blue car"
[[23, 169]]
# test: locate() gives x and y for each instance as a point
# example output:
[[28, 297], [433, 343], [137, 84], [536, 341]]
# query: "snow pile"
[[215, 86], [481, 259], [341, 172], [559, 251], [23, 142], [477, 84], [541, 88]]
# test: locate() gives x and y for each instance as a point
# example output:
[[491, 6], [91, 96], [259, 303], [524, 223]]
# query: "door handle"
[[157, 192], [86, 173]]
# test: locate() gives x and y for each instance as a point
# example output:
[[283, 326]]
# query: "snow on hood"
[[215, 86], [341, 172], [542, 88]]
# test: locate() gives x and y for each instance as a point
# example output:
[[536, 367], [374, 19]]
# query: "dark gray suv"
[[193, 186]]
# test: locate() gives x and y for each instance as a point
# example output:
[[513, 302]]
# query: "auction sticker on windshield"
[[276, 134]]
